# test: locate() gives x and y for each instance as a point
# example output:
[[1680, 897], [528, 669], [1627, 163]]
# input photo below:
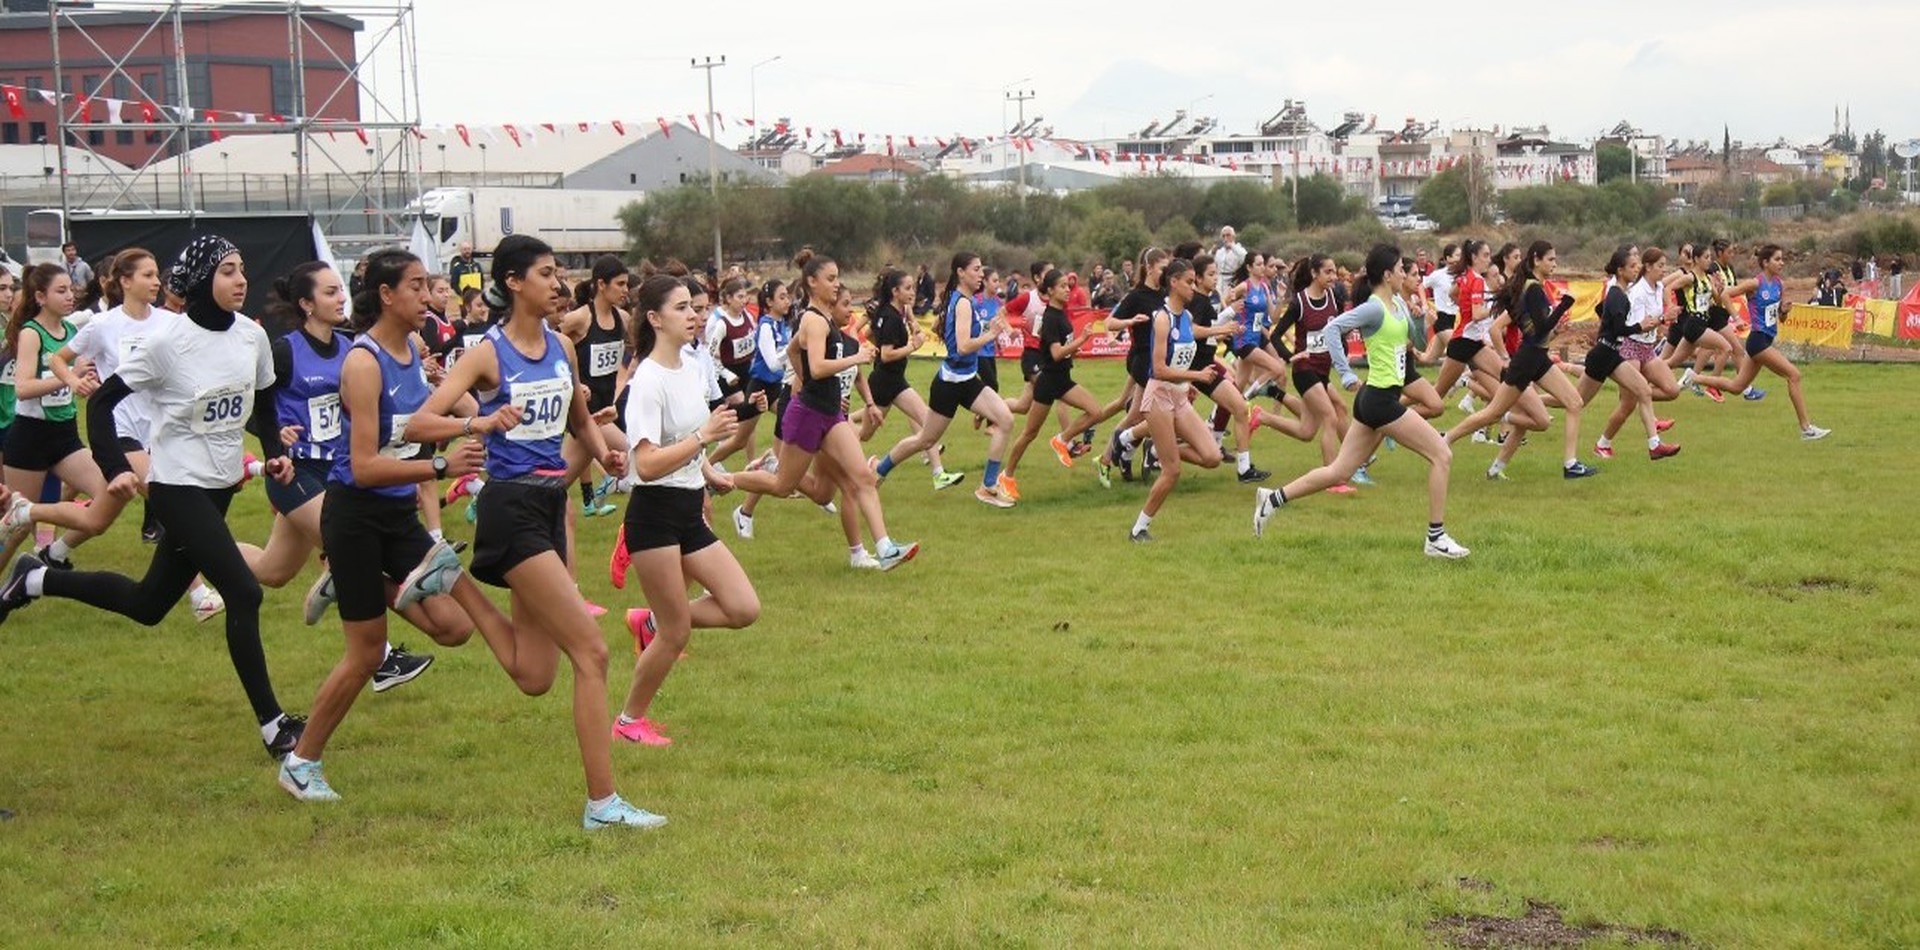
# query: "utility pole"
[[713, 160], [1021, 97]]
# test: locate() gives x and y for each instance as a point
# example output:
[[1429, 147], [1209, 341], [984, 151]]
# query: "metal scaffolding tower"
[[381, 76]]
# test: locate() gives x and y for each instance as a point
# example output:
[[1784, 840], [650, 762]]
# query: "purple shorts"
[[805, 427]]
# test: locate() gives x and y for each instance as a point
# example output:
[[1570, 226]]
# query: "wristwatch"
[[439, 466]]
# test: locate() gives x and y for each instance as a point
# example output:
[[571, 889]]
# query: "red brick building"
[[238, 63]]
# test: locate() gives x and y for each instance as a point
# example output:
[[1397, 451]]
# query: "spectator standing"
[[1896, 270], [465, 271], [77, 268], [923, 291], [1227, 257]]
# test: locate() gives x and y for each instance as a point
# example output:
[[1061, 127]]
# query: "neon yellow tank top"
[[1387, 347]]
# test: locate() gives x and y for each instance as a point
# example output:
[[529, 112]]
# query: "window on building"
[[632, 178], [10, 133], [199, 84], [37, 132], [36, 83], [282, 82]]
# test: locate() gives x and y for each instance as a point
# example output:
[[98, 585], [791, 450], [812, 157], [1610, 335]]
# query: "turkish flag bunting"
[[360, 134], [619, 127], [693, 122], [514, 134], [14, 106], [836, 139], [465, 138], [147, 114], [583, 126], [664, 129], [889, 146]]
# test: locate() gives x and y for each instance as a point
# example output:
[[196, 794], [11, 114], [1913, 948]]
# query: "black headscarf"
[[192, 279]]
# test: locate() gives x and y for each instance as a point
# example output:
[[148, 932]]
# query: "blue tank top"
[[1764, 307], [403, 390], [310, 398], [985, 308], [959, 366], [1255, 314], [781, 337], [543, 388], [1180, 346]]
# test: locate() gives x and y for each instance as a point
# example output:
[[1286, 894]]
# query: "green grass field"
[[1676, 696]]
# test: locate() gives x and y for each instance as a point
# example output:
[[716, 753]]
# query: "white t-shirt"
[[709, 370], [666, 406], [200, 387], [108, 340], [1645, 300], [1440, 285]]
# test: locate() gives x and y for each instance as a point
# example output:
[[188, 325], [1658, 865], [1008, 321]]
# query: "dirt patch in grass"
[[1541, 926], [1814, 584]]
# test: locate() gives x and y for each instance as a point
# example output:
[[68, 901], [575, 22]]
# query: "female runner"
[[1053, 376], [959, 384], [524, 376], [45, 435], [370, 522], [1764, 297], [1312, 304], [1611, 355], [1382, 319], [1537, 317], [199, 379], [668, 418], [597, 330], [1170, 416], [1648, 309], [898, 336]]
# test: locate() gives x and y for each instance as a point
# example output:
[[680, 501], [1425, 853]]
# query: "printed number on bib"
[[1182, 356], [323, 418], [1316, 341], [603, 359], [742, 348], [845, 377], [397, 446], [221, 409], [1770, 316], [1400, 364], [57, 399], [543, 409]]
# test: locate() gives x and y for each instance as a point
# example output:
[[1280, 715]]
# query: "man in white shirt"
[[1227, 258]]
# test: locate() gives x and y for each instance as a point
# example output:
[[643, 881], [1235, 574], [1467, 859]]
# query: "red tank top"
[[736, 351], [1307, 330]]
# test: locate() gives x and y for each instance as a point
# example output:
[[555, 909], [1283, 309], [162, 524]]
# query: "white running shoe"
[[1814, 433], [1445, 546], [743, 524], [1480, 437], [434, 575], [207, 603], [1466, 404], [863, 560], [319, 597], [1265, 503], [306, 783], [1686, 378], [17, 524]]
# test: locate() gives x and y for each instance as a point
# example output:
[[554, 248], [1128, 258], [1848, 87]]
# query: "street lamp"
[[483, 163], [443, 164], [753, 92], [713, 160], [1021, 97]]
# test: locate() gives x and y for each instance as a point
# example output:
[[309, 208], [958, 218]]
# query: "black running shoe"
[[13, 594], [288, 736], [399, 668], [1579, 470], [1254, 474], [57, 563]]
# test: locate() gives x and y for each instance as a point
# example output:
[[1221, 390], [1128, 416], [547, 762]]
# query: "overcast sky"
[[1765, 68]]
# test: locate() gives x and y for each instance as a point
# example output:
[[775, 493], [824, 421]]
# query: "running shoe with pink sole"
[[642, 731], [619, 560]]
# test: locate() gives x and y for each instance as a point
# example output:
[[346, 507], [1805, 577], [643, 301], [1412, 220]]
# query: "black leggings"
[[196, 541]]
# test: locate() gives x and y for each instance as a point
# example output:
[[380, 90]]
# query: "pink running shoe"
[[620, 560], [642, 730], [1604, 451], [1253, 421], [640, 624], [1341, 489], [462, 487]]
